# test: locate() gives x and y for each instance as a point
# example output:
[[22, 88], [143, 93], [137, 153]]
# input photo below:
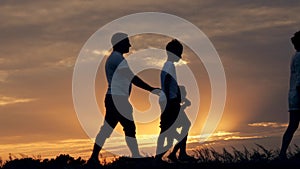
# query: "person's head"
[[296, 41], [174, 50], [120, 42]]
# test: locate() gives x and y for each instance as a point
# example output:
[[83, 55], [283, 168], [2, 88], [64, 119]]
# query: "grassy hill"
[[206, 158]]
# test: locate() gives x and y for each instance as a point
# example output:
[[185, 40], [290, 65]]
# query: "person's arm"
[[140, 83], [125, 71]]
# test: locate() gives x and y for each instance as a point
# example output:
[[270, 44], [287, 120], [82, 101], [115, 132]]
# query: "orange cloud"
[[268, 124], [4, 100]]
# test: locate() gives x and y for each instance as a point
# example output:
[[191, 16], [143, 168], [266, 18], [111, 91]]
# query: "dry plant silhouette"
[[207, 158]]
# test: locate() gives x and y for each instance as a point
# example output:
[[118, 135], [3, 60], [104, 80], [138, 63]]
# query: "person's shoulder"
[[168, 65], [169, 68], [116, 54], [115, 57]]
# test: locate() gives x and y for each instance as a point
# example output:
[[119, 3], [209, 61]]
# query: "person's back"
[[112, 62], [170, 87], [115, 67], [294, 82]]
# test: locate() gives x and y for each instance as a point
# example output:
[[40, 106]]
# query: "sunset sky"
[[41, 40]]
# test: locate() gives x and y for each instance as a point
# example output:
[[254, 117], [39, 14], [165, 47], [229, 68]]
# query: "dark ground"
[[259, 158]]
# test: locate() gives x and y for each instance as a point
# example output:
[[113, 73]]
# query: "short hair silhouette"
[[117, 38], [296, 40], [175, 47]]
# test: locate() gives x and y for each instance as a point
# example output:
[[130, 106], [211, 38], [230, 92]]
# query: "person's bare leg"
[[160, 148], [96, 151], [133, 146], [170, 140], [289, 133], [103, 134]]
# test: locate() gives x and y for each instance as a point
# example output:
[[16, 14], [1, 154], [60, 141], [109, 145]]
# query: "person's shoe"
[[93, 163], [172, 157], [186, 158]]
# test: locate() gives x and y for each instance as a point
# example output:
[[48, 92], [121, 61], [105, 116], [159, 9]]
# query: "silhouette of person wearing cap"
[[118, 108]]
